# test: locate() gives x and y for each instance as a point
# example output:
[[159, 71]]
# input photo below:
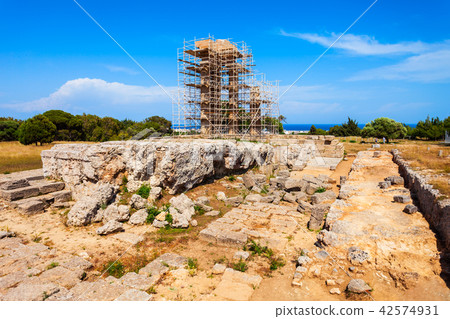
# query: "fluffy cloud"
[[103, 98], [426, 67], [363, 44]]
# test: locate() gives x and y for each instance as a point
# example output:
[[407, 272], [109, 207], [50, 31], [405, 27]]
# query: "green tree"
[[312, 130], [8, 130], [159, 124], [431, 129], [446, 124], [384, 127], [69, 127], [346, 129], [38, 129]]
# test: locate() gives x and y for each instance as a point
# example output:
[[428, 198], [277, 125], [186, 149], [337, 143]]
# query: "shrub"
[[231, 178], [169, 218], [152, 213], [143, 191]]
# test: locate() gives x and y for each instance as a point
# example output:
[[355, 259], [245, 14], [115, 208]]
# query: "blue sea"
[[326, 127]]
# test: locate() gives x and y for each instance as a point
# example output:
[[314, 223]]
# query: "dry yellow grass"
[[421, 155], [16, 157]]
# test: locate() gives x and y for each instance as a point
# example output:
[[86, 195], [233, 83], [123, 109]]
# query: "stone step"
[[36, 189], [31, 175], [35, 205]]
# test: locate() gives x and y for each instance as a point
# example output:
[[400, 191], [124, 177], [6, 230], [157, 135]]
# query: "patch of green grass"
[[103, 206], [143, 191], [124, 180], [231, 178], [115, 269], [171, 231], [165, 239], [240, 266], [320, 190], [53, 265], [352, 141], [199, 210]]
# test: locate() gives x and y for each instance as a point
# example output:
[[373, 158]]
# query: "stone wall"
[[175, 164], [298, 151], [435, 209]]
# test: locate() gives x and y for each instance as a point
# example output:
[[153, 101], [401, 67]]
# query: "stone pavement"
[[270, 224]]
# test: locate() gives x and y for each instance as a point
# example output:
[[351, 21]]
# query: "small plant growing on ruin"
[[199, 210], [169, 218], [115, 269], [151, 290], [240, 266], [244, 193], [276, 263], [192, 263], [320, 190], [124, 180], [259, 250], [103, 206], [265, 189], [143, 191], [152, 213], [231, 178], [36, 238], [53, 265]]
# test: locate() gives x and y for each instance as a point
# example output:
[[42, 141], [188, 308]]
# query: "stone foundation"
[[179, 164], [435, 209]]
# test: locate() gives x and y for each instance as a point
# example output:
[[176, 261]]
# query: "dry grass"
[[442, 184], [425, 157], [16, 157], [421, 155]]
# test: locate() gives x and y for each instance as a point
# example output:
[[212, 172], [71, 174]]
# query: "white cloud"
[[426, 67], [103, 98], [121, 69], [363, 44]]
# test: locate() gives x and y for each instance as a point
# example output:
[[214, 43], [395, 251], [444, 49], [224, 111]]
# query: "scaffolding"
[[219, 94]]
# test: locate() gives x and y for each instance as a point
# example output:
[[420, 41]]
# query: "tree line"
[[429, 129], [63, 126]]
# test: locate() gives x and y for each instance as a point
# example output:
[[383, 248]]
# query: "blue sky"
[[394, 62]]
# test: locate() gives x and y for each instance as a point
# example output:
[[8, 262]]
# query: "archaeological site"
[[225, 209], [189, 218]]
